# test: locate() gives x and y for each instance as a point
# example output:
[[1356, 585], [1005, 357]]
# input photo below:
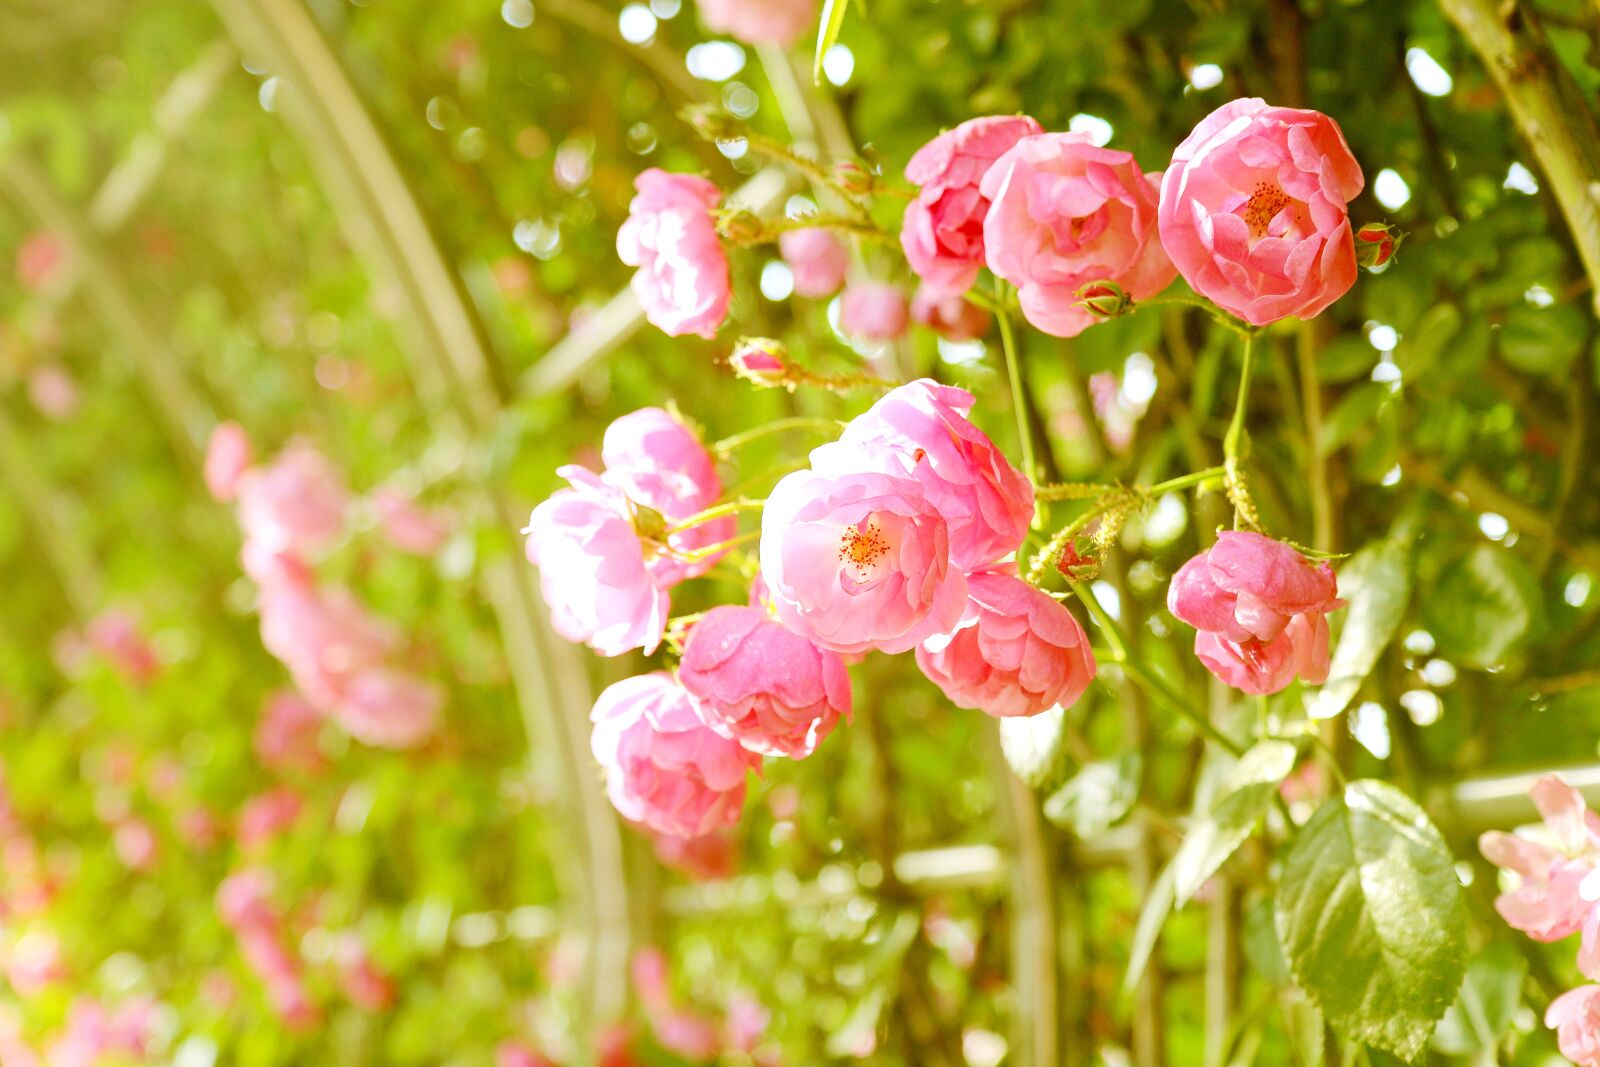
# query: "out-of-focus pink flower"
[[1575, 1017], [294, 504], [942, 232], [52, 391], [228, 455], [873, 311], [287, 733], [710, 857], [817, 259], [517, 1054], [115, 634], [389, 708], [1253, 210], [684, 1033], [761, 684], [1066, 213], [1017, 651], [93, 1034], [592, 567], [367, 987], [760, 21], [747, 1021], [651, 980], [199, 828], [682, 279], [856, 561], [33, 963], [136, 844], [1259, 606], [326, 637], [39, 257], [1548, 902], [657, 461], [664, 767], [245, 899], [921, 430], [950, 315], [266, 815], [407, 526]]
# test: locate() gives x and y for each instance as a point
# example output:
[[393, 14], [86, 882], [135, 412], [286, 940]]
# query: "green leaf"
[[1483, 606], [1242, 798], [1481, 1016], [1097, 797], [1035, 747], [1377, 584], [1355, 412], [1153, 916], [1543, 340], [1422, 348], [827, 33], [1371, 918]]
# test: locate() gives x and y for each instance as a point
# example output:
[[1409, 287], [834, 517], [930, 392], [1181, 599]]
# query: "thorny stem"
[[1235, 443], [709, 550], [797, 422], [730, 507], [1106, 497], [770, 229], [1222, 317]]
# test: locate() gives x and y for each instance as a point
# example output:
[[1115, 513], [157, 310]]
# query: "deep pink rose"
[[294, 504], [762, 685], [324, 636], [664, 767], [1066, 213], [921, 430], [1017, 651], [758, 360], [942, 233], [228, 456], [950, 315], [1575, 1017], [682, 279], [657, 461], [388, 708], [1259, 606], [873, 311], [407, 526], [760, 21], [817, 259], [592, 567], [1253, 211], [287, 734], [859, 560]]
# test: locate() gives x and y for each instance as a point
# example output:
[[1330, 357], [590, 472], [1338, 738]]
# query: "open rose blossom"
[[592, 567], [760, 21], [942, 233], [762, 685], [817, 259], [228, 456], [657, 461], [664, 767], [873, 311], [1259, 606], [294, 504], [1253, 211], [1066, 213], [859, 560], [1575, 1017], [921, 429], [1551, 864], [1017, 651], [682, 279]]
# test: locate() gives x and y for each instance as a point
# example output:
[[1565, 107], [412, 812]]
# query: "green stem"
[[1222, 317], [1237, 440], [798, 422], [1185, 481], [730, 507], [1008, 342], [711, 550]]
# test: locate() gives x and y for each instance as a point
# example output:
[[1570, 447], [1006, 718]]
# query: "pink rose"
[[228, 456], [287, 734], [859, 560], [267, 815], [943, 230], [245, 899], [324, 636], [1575, 1017], [657, 461], [1253, 211], [663, 766], [115, 635], [710, 857], [1066, 213], [921, 430], [682, 279], [758, 683], [407, 526], [873, 311], [950, 315], [1259, 607], [592, 567], [1017, 651], [760, 21], [1548, 903], [818, 260], [388, 708], [759, 361], [295, 504], [136, 844]]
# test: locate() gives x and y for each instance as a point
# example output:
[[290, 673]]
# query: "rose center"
[[861, 547], [1262, 207]]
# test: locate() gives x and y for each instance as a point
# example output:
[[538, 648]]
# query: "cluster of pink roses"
[[1555, 893], [341, 656], [1251, 211]]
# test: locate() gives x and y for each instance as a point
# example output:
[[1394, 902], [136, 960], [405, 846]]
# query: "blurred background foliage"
[[178, 253]]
